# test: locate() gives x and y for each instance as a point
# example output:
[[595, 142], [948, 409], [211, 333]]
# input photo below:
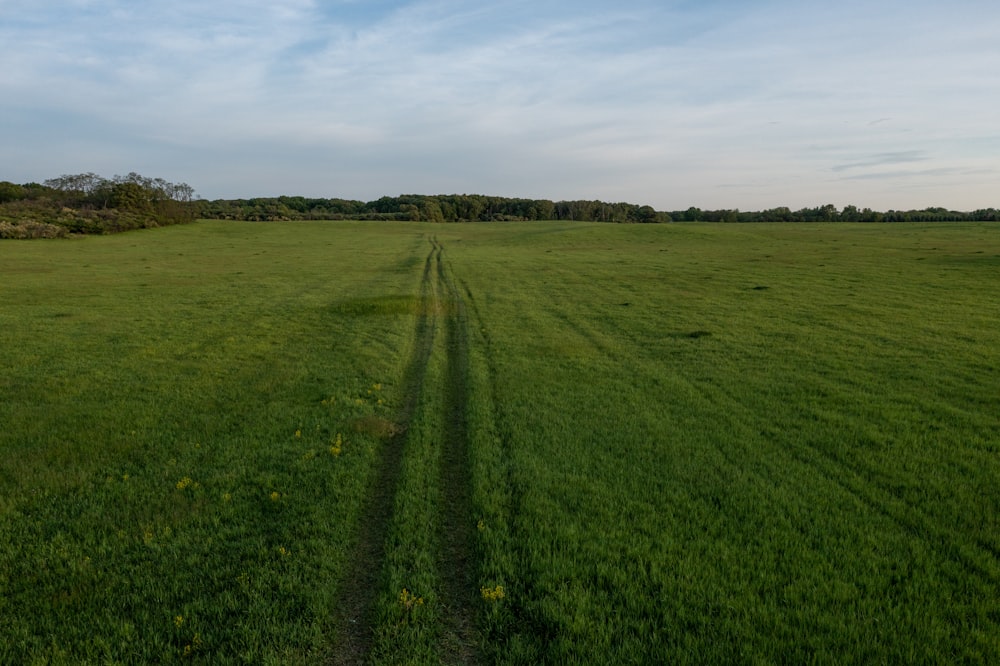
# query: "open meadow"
[[344, 442]]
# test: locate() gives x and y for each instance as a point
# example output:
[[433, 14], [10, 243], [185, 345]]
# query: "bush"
[[31, 229], [11, 192]]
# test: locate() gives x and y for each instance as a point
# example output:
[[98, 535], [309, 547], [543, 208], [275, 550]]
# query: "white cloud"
[[715, 104]]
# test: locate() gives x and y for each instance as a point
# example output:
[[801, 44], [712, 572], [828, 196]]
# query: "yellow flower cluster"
[[337, 445], [194, 645], [409, 601], [186, 482], [275, 496], [492, 593]]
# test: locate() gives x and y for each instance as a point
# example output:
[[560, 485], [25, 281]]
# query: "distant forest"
[[479, 208], [423, 208], [90, 204]]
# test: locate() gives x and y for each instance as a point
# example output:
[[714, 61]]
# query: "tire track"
[[456, 564], [505, 484], [354, 620], [441, 308]]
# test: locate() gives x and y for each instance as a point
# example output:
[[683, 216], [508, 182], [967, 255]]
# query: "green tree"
[[430, 211], [130, 196], [645, 214], [11, 192], [410, 211], [81, 183]]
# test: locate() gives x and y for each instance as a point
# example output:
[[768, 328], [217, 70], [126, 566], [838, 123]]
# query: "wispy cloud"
[[921, 173], [882, 159], [652, 102]]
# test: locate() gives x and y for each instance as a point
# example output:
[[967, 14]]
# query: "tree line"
[[428, 208], [87, 203], [829, 213], [480, 208]]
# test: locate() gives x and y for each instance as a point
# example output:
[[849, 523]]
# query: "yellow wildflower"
[[492, 594], [408, 600], [195, 644]]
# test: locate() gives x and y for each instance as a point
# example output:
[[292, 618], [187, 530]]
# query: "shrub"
[[31, 229]]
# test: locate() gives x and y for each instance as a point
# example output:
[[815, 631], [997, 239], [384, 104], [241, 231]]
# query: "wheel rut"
[[354, 623], [456, 561], [354, 619]]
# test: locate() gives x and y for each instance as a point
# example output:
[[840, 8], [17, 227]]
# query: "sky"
[[748, 104]]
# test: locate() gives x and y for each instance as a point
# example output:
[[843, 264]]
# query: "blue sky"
[[716, 104]]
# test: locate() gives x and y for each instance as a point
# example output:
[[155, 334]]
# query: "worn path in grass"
[[455, 559], [440, 307], [360, 583]]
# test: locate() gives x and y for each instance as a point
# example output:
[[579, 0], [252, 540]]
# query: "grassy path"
[[456, 535], [422, 480], [355, 611]]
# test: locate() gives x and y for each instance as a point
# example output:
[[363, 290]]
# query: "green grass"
[[665, 444], [739, 444], [208, 353]]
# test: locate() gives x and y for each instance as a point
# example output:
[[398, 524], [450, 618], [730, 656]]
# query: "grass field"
[[514, 443]]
